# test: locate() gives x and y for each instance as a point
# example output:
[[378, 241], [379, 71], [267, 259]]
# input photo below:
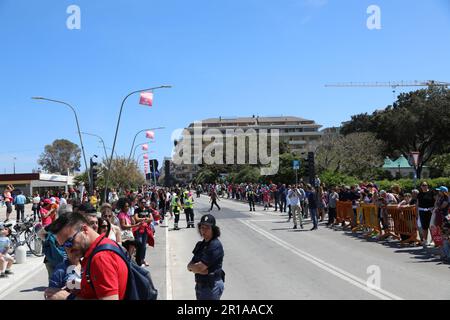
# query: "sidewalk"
[[22, 273], [14, 213]]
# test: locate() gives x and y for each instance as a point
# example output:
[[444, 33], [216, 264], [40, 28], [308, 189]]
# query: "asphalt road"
[[266, 259]]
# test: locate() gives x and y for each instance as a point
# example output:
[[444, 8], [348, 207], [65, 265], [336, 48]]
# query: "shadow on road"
[[39, 289], [418, 253]]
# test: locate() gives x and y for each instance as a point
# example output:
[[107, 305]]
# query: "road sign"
[[296, 164], [415, 156]]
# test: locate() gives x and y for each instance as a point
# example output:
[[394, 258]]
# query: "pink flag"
[[146, 98], [145, 147], [150, 134], [145, 156]]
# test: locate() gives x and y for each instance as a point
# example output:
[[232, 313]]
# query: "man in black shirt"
[[142, 214], [425, 201]]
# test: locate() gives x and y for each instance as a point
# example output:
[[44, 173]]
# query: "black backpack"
[[139, 285]]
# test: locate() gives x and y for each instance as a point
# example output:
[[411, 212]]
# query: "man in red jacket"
[[108, 272]]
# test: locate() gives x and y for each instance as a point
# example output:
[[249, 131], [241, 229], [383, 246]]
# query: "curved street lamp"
[[78, 125], [139, 156], [140, 144], [135, 136], [101, 140], [117, 130]]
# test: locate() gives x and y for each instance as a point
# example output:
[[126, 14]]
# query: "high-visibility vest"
[[174, 202], [188, 202]]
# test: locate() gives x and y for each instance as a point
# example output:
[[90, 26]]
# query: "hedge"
[[337, 179], [408, 184]]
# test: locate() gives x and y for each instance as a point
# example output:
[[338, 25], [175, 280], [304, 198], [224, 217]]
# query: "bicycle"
[[27, 230]]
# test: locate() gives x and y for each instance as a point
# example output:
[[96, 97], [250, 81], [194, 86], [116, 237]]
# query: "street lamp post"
[[141, 144], [135, 136], [14, 165], [117, 130], [139, 156], [101, 140], [115, 152], [78, 125]]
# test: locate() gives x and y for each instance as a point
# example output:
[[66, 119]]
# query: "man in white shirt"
[[294, 201], [288, 202]]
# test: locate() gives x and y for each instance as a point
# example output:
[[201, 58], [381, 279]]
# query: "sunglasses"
[[69, 242]]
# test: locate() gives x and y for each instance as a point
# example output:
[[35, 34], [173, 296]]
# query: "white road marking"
[[168, 274], [342, 274]]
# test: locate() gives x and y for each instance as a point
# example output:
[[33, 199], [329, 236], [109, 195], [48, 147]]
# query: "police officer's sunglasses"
[[69, 242]]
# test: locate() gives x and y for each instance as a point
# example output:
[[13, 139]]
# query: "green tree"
[[248, 174], [440, 165], [417, 121], [327, 156], [357, 154], [286, 173], [205, 175], [60, 156], [124, 174]]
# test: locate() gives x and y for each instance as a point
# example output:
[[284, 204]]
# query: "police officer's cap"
[[208, 219]]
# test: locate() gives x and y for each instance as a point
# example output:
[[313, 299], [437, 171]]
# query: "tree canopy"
[[60, 156], [357, 154], [417, 121]]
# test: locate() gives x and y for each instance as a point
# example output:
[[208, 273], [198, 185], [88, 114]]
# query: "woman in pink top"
[[127, 227], [8, 200], [46, 213]]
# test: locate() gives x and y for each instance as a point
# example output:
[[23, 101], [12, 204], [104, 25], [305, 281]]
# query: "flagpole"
[[117, 130]]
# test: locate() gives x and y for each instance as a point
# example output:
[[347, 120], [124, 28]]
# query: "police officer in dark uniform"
[[207, 261], [251, 195]]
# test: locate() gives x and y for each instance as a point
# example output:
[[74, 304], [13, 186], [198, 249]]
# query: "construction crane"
[[392, 84]]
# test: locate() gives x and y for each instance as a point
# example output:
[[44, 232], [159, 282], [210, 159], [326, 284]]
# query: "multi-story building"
[[300, 135], [178, 173], [297, 133]]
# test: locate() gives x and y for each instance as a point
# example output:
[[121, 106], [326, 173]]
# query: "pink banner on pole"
[[145, 147], [145, 156], [146, 98], [150, 134]]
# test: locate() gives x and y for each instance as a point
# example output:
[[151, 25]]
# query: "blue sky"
[[223, 57]]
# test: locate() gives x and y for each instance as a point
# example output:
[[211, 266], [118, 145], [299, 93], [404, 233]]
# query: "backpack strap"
[[105, 247]]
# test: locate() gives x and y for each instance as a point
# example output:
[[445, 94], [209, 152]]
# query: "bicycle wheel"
[[14, 245], [35, 244]]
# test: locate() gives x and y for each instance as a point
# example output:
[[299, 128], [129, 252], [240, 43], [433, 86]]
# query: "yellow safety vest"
[[188, 202]]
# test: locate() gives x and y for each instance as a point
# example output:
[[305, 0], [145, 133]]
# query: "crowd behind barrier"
[[394, 215]]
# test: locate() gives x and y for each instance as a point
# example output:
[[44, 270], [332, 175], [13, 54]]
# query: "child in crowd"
[[67, 275], [6, 260]]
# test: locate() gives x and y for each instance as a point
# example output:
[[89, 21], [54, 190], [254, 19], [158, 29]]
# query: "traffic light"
[[93, 173], [311, 169], [153, 166], [166, 173]]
